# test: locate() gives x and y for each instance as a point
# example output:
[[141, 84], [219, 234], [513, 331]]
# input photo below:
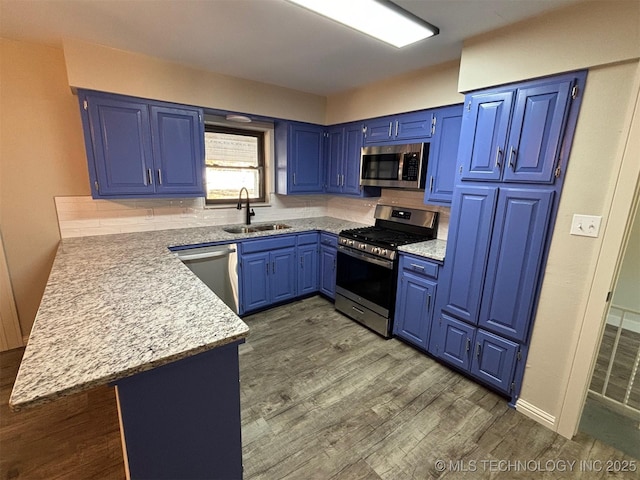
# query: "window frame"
[[261, 168]]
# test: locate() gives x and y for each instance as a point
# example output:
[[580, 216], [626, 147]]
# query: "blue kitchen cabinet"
[[443, 156], [415, 300], [307, 264], [343, 148], [328, 262], [267, 273], [483, 134], [178, 150], [488, 357], [514, 262], [138, 147], [413, 127], [470, 229], [299, 150], [533, 115]]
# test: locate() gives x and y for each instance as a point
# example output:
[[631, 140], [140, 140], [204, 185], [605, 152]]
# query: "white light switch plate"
[[585, 225]]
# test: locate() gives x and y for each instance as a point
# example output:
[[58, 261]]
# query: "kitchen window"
[[234, 158]]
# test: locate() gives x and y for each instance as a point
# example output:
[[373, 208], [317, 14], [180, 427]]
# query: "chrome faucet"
[[250, 212]]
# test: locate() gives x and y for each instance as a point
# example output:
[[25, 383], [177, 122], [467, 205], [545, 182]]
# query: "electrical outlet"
[[585, 225]]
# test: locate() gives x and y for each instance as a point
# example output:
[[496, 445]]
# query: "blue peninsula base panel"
[[182, 420]]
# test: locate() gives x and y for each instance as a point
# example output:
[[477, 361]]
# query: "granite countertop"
[[117, 305], [433, 249]]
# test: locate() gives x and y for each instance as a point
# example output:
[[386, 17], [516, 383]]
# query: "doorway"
[[612, 409]]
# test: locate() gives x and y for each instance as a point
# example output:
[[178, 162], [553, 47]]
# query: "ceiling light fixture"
[[380, 19]]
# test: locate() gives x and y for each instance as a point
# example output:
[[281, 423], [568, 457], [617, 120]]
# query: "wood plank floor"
[[322, 398]]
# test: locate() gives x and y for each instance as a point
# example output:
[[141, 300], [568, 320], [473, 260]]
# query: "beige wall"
[[97, 67], [604, 37], [41, 155], [426, 88]]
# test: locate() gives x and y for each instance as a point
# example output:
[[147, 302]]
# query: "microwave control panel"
[[411, 167]]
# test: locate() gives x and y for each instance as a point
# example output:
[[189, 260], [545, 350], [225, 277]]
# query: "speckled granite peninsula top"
[[433, 249], [116, 305]]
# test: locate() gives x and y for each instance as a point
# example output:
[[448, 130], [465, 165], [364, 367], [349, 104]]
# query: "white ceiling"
[[271, 41]]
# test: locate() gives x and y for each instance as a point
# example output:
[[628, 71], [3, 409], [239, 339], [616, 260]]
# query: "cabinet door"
[[467, 249], [443, 156], [255, 275], [334, 160], [484, 134], [178, 147], [328, 258], [454, 344], [307, 269], [413, 126], [121, 140], [305, 159], [536, 132], [282, 281], [515, 257], [414, 309], [494, 360], [378, 130], [351, 159]]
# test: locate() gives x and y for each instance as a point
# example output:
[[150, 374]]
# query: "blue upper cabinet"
[[177, 135], [443, 156], [536, 132], [343, 145], [519, 235], [514, 135], [137, 147], [118, 142], [299, 150], [404, 128], [484, 134]]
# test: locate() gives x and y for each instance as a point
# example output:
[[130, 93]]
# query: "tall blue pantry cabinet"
[[513, 152]]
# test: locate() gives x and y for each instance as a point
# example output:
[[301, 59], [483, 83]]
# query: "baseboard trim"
[[536, 414]]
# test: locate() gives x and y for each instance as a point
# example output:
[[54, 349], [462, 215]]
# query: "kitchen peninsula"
[[123, 310]]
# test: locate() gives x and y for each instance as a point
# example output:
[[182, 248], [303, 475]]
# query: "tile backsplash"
[[85, 216]]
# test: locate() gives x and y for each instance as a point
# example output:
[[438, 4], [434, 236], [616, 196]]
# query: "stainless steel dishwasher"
[[216, 266]]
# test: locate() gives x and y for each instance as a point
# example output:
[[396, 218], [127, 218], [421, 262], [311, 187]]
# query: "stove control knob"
[[363, 246], [351, 243], [384, 252], [376, 250]]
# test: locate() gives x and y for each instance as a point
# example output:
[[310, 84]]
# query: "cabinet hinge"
[[574, 92], [433, 125], [97, 186], [460, 170], [85, 104], [609, 296], [513, 386], [364, 130], [519, 355], [558, 172], [469, 106]]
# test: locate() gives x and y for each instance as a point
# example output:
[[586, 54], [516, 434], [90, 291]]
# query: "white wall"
[[627, 291]]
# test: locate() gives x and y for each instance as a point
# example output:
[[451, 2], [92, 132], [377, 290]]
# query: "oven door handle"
[[366, 257]]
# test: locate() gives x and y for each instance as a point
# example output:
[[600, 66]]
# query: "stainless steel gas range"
[[367, 265]]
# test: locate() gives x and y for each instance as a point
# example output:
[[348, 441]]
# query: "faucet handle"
[[252, 213]]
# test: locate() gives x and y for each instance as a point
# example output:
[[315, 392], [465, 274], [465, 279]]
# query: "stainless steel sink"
[[256, 228]]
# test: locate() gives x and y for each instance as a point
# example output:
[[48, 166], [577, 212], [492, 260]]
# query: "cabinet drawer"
[[272, 243], [307, 238], [329, 239], [419, 266]]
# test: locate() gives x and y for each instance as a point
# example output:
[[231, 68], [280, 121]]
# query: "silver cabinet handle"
[[397, 122], [417, 267], [361, 312], [498, 155], [390, 127], [294, 178], [334, 264], [428, 302], [273, 267], [512, 158], [342, 184], [431, 184], [478, 349], [338, 180], [160, 176], [149, 177], [468, 345]]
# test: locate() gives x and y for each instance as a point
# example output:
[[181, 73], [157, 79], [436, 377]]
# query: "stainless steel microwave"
[[394, 166]]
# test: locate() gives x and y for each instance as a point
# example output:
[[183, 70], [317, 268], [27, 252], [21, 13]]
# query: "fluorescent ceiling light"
[[381, 19]]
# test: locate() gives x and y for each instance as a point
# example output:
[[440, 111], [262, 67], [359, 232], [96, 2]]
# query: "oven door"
[[367, 280]]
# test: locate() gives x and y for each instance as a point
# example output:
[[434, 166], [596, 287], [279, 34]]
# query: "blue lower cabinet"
[[487, 357], [282, 279], [307, 269], [414, 309], [494, 360], [327, 264], [255, 268]]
